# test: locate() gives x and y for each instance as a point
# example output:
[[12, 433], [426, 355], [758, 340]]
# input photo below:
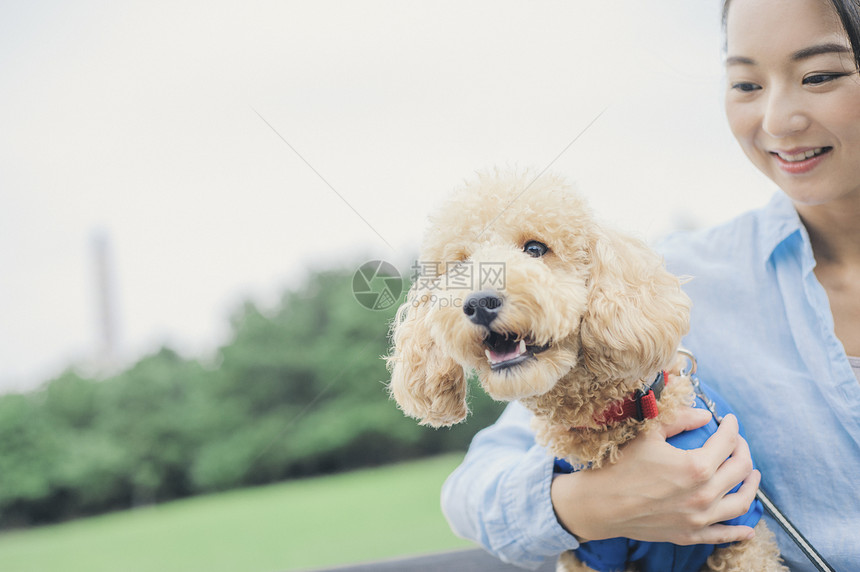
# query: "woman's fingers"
[[737, 503], [717, 534], [722, 443], [723, 463], [736, 468], [688, 419]]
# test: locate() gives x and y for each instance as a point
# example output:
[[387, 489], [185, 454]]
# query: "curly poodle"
[[522, 286]]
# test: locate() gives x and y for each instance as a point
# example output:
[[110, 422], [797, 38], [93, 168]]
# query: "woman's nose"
[[784, 114]]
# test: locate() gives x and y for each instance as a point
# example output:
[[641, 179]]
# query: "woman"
[[776, 321]]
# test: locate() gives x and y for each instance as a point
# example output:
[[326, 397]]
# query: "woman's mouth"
[[799, 161]]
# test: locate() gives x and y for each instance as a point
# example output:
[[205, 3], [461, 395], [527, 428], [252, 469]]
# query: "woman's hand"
[[656, 492]]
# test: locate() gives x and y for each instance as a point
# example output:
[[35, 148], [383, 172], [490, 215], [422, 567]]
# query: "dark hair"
[[849, 14]]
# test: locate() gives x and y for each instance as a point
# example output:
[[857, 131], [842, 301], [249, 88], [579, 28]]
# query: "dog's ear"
[[636, 313], [426, 383]]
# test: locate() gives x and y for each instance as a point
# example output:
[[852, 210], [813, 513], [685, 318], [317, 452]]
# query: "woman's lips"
[[799, 161]]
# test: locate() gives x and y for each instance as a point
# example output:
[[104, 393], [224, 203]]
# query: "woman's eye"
[[535, 249], [745, 86], [820, 78]]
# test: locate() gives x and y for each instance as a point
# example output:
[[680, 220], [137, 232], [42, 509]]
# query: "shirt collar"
[[779, 222]]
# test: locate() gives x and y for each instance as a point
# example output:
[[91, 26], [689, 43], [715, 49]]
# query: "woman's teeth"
[[801, 156]]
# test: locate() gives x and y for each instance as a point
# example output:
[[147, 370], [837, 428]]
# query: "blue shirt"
[[763, 335]]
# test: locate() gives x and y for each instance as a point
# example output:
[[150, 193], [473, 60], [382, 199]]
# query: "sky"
[[222, 150]]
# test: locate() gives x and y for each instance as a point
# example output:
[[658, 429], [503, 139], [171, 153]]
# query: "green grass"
[[351, 517]]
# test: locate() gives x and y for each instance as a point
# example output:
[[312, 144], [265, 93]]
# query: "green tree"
[[300, 389]]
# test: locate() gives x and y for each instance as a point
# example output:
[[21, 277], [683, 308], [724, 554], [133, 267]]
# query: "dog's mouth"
[[504, 350]]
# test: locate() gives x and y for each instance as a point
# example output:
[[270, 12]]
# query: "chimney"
[[106, 315]]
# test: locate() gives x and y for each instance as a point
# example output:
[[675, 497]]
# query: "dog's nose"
[[482, 307]]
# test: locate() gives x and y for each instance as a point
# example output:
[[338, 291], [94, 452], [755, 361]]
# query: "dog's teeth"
[[522, 346], [489, 357]]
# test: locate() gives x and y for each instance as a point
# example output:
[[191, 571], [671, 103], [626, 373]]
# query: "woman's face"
[[793, 100]]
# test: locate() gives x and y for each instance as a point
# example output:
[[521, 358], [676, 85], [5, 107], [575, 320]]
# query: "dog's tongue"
[[499, 357]]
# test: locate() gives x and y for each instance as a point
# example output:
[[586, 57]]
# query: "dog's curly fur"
[[598, 311]]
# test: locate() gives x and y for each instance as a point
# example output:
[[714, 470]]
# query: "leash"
[[802, 543]]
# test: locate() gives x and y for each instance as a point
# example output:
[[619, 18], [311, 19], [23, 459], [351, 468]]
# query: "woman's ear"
[[426, 384], [636, 313]]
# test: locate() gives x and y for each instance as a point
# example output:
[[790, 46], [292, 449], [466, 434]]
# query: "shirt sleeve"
[[499, 496]]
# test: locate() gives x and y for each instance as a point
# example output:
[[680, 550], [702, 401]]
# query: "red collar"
[[640, 405]]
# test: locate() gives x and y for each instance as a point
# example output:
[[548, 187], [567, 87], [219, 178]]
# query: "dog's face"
[[511, 284], [508, 289]]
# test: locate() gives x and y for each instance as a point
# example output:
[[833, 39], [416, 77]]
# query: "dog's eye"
[[535, 249]]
